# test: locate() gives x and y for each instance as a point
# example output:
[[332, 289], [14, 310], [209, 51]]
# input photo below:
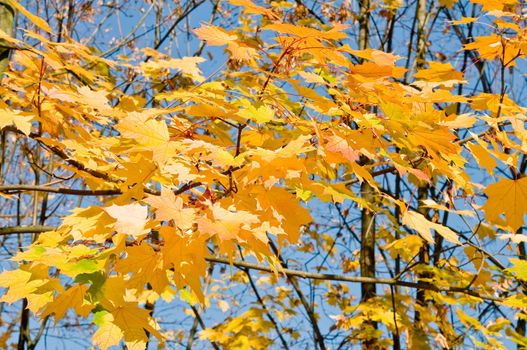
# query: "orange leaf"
[[72, 298], [169, 207], [507, 197], [214, 36]]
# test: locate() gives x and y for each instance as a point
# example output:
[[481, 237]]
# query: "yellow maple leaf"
[[439, 72], [407, 247], [226, 224], [339, 145], [214, 36], [9, 117], [393, 4], [131, 218], [458, 121], [169, 207], [19, 284], [377, 57], [146, 266], [134, 322], [108, 334], [508, 197], [261, 114], [186, 254], [242, 52], [423, 226], [35, 302], [493, 46], [285, 209], [144, 130], [91, 222], [187, 66], [251, 7], [483, 157], [334, 33], [112, 292], [72, 298], [94, 98]]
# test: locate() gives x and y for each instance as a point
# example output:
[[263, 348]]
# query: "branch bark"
[[357, 279]]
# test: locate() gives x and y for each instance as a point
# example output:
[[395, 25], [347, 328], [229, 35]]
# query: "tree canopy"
[[264, 174]]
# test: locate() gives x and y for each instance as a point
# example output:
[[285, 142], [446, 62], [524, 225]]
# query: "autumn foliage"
[[306, 184]]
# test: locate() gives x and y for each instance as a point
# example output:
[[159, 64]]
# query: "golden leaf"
[[508, 197], [214, 36], [423, 226]]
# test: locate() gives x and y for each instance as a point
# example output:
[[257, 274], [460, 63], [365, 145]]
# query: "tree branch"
[[6, 231], [357, 279], [42, 188]]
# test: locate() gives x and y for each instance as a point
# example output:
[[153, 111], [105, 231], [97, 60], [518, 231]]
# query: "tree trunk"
[[367, 248]]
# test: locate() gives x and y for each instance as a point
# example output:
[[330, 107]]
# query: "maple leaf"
[[337, 144], [76, 267], [285, 209], [108, 334], [188, 66], [261, 114], [214, 36], [393, 4], [406, 247], [483, 157], [134, 322], [169, 207], [131, 218], [9, 117], [242, 52], [458, 121], [146, 131], [508, 197], [145, 266], [519, 268], [379, 58], [97, 99], [492, 46], [19, 284], [112, 292], [464, 20], [186, 254], [34, 281], [91, 222], [226, 224], [245, 148], [440, 72], [423, 226], [334, 33], [251, 7], [71, 298]]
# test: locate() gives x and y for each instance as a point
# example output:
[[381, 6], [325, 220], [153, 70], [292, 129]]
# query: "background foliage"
[[213, 174]]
